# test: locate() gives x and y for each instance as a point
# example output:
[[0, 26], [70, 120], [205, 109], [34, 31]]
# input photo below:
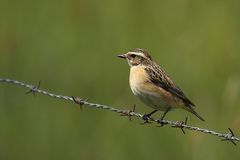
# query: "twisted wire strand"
[[228, 136]]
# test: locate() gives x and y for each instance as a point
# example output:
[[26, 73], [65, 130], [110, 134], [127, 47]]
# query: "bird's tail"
[[190, 109]]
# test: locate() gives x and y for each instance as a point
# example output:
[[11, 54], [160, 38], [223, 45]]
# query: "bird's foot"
[[161, 121], [147, 117]]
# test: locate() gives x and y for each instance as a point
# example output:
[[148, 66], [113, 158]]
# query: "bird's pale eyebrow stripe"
[[138, 54]]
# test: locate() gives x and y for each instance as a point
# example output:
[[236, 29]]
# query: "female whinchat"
[[149, 82]]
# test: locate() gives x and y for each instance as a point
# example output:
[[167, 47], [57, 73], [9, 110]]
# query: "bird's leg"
[[146, 117], [162, 117], [164, 114]]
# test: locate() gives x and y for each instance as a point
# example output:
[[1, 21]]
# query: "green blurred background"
[[71, 46]]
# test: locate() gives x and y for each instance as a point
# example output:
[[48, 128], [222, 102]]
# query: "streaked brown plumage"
[[153, 86]]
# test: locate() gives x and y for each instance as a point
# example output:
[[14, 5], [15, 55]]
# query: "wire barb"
[[33, 89], [230, 137], [180, 125], [225, 137], [79, 101], [129, 112]]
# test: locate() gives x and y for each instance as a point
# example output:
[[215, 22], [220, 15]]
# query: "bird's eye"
[[133, 55]]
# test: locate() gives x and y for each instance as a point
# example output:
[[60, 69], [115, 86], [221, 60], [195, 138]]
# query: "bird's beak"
[[122, 56]]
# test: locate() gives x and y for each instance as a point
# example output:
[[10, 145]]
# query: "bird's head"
[[136, 57]]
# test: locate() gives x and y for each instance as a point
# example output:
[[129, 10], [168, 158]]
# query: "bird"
[[149, 82]]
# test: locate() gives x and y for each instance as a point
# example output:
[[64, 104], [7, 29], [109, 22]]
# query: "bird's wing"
[[159, 78]]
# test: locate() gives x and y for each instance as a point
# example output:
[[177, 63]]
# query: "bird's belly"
[[151, 99], [152, 95]]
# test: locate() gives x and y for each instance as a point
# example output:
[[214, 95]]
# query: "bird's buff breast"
[[150, 94]]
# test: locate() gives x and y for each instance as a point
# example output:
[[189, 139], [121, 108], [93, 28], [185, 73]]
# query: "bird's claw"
[[146, 118], [161, 122]]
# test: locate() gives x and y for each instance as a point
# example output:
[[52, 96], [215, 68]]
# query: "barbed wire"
[[130, 113]]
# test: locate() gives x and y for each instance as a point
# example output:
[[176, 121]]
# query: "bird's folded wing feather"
[[159, 78]]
